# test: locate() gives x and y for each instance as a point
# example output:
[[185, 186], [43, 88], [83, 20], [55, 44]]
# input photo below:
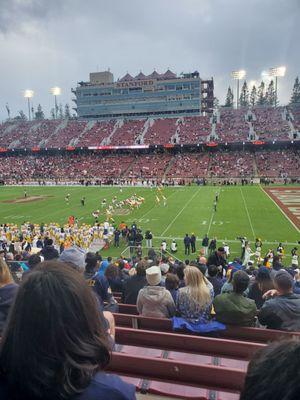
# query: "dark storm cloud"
[[14, 12], [58, 42]]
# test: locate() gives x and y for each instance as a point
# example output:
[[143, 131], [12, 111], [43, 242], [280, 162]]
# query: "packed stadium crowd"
[[155, 166], [42, 274], [229, 125]]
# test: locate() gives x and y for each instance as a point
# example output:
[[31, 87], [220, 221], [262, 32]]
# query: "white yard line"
[[280, 209], [246, 208], [210, 222], [180, 212], [224, 240]]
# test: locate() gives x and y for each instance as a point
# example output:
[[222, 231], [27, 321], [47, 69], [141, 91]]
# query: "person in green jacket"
[[234, 308]]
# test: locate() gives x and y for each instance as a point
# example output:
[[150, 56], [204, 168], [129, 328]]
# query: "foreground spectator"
[[114, 276], [75, 257], [8, 290], [135, 283], [234, 308], [54, 345], [283, 310], [195, 299], [218, 258], [155, 300], [215, 279], [262, 284], [274, 373]]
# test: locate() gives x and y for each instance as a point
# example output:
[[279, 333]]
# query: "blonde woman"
[[8, 290], [195, 299]]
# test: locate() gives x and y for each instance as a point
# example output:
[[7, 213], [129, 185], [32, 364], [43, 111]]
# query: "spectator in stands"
[[296, 287], [274, 373], [33, 261], [262, 284], [218, 258], [155, 300], [135, 283], [228, 286], [276, 265], [180, 273], [234, 308], [172, 285], [54, 345], [75, 257], [114, 276], [104, 264], [152, 255], [164, 268], [283, 310], [8, 290], [48, 251], [195, 299], [215, 279], [91, 265], [99, 284]]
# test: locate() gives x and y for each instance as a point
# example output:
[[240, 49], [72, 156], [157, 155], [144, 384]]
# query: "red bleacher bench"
[[232, 332], [207, 378], [187, 343]]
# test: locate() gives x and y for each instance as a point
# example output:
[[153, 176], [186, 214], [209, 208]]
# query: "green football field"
[[241, 211]]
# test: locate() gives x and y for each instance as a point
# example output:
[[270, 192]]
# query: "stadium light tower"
[[28, 94], [56, 91], [237, 75], [277, 72]]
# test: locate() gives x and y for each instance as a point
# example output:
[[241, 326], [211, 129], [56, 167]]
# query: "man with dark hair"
[[135, 283], [49, 252], [274, 373], [218, 258], [215, 279], [233, 308], [282, 310]]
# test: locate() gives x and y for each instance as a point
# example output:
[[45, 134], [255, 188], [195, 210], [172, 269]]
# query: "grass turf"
[[241, 211]]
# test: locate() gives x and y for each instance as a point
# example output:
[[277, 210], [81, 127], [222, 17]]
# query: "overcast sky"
[[45, 43]]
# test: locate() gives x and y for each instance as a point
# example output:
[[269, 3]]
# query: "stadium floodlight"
[[28, 94], [237, 75], [277, 72], [55, 91]]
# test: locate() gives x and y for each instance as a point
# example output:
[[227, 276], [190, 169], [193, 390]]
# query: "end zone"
[[287, 200]]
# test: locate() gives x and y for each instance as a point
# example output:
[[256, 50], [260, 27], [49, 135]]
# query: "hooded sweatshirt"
[[282, 312], [155, 301]]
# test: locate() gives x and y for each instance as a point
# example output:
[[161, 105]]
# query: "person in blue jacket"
[[54, 345]]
